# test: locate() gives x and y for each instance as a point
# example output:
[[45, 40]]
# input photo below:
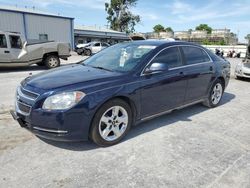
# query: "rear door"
[[199, 70], [4, 50]]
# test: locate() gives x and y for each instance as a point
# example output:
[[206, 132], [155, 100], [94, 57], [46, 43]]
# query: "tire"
[[88, 52], [215, 94], [79, 51], [111, 123], [52, 61]]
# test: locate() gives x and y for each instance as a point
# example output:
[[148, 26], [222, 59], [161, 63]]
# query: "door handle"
[[7, 51], [211, 69], [181, 73]]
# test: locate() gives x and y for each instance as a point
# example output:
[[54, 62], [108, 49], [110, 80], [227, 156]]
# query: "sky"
[[178, 14]]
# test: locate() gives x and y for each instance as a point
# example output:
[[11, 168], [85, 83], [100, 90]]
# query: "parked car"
[[242, 69], [16, 51], [91, 48], [102, 97]]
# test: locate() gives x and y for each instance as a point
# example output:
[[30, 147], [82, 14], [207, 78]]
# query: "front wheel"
[[215, 94], [88, 52], [111, 123]]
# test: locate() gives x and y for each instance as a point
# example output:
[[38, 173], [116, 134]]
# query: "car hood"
[[71, 75]]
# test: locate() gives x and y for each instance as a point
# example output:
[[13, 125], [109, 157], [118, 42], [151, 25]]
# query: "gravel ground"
[[192, 147]]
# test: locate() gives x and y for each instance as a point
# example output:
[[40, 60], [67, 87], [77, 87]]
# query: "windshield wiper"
[[102, 68]]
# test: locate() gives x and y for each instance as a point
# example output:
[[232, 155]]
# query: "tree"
[[204, 27], [248, 38], [190, 31], [169, 29], [158, 28], [120, 17]]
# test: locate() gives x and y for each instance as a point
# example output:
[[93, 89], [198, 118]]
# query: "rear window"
[[3, 42], [194, 55]]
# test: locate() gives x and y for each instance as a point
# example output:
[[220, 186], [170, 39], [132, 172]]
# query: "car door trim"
[[172, 109]]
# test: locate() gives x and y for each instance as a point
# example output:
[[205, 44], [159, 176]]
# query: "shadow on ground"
[[22, 69], [142, 128]]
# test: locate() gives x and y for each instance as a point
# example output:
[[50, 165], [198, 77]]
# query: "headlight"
[[63, 101]]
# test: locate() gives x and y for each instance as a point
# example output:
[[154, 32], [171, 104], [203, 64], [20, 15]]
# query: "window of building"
[[194, 55], [15, 41], [43, 36], [170, 56], [3, 42]]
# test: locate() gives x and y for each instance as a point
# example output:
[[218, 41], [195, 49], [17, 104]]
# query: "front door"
[[4, 50], [166, 90], [18, 54]]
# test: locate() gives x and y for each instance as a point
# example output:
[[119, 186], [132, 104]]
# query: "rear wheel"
[[52, 61], [111, 123], [215, 94]]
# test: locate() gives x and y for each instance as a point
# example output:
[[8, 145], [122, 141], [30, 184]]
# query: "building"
[[34, 24], [182, 35], [160, 35], [85, 34]]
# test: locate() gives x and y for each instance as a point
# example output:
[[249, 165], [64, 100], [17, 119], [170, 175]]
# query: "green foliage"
[[119, 17], [207, 42], [169, 29], [248, 38], [190, 31], [158, 28], [204, 27]]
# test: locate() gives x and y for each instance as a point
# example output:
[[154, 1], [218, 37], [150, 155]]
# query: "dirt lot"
[[192, 147]]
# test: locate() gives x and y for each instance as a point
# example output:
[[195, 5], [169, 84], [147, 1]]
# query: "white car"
[[243, 69], [91, 48]]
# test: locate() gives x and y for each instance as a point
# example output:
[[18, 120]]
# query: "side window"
[[15, 41], [97, 44], [43, 37], [3, 42], [170, 56], [194, 55]]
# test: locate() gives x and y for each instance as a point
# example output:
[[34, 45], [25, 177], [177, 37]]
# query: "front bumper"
[[50, 133], [242, 71]]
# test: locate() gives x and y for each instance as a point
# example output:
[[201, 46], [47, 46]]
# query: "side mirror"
[[156, 67], [24, 44]]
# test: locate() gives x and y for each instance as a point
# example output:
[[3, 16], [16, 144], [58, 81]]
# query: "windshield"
[[120, 57]]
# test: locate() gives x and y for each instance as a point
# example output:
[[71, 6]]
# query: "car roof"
[[162, 43]]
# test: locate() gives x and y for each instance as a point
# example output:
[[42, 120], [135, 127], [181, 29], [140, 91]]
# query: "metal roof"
[[97, 29], [30, 11]]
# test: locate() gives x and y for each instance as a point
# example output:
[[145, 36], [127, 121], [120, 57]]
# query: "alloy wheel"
[[113, 123]]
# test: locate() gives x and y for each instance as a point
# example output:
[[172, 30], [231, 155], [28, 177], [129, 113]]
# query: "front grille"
[[27, 94], [247, 65], [247, 74], [23, 108], [24, 100]]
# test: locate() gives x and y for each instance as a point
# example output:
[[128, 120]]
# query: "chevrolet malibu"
[[102, 97]]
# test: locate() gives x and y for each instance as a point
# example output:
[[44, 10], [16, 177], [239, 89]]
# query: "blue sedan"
[[102, 97]]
